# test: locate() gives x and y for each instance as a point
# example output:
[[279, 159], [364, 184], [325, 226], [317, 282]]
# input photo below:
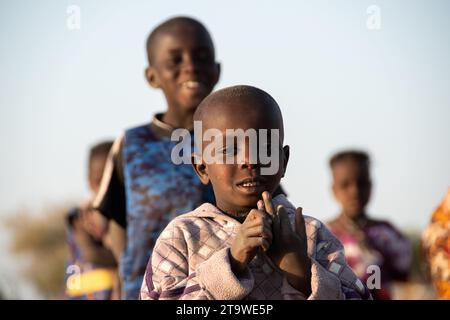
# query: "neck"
[[179, 119], [239, 215], [359, 219]]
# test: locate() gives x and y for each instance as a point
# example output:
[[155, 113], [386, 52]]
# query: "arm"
[[110, 200], [91, 250], [118, 239], [111, 203]]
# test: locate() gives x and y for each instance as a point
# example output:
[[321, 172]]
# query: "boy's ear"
[[200, 169], [285, 158], [217, 73], [152, 77]]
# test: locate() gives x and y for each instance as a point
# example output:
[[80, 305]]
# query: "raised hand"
[[289, 246], [254, 233]]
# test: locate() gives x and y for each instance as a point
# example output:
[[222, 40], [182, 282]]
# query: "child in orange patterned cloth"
[[436, 245]]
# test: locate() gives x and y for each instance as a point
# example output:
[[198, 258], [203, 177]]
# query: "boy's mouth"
[[254, 185], [194, 86]]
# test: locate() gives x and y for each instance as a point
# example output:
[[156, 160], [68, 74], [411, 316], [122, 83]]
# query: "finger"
[[252, 215], [260, 205], [300, 228], [256, 242], [253, 223], [268, 203], [259, 216], [255, 217], [262, 208], [285, 225], [265, 245], [259, 231], [276, 224], [255, 231]]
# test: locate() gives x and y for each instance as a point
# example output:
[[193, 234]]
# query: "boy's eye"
[[231, 150], [345, 184], [174, 60], [203, 56]]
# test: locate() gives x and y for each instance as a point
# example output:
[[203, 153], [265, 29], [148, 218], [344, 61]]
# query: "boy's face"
[[238, 186], [351, 187], [184, 66]]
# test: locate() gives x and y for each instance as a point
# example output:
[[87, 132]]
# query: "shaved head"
[[173, 26], [243, 101]]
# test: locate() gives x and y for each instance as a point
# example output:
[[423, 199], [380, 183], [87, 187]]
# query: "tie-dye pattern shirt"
[[154, 190]]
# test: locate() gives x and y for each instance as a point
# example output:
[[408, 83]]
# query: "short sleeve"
[[110, 200]]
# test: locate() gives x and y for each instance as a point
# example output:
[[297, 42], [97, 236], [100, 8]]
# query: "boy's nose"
[[189, 64], [249, 162], [250, 166], [354, 190]]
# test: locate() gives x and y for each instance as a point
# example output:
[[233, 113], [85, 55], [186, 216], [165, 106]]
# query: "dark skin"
[[352, 187], [95, 223], [264, 227], [90, 226], [184, 68]]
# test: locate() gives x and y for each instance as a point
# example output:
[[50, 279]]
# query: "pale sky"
[[339, 85]]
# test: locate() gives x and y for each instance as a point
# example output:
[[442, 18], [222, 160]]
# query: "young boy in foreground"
[[248, 245]]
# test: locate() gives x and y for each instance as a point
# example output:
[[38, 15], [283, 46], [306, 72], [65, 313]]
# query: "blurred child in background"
[[367, 242], [91, 266]]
